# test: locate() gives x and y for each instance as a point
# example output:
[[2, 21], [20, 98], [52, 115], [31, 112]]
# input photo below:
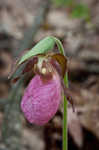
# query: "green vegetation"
[[77, 10]]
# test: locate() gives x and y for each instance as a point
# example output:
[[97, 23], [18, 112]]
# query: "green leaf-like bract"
[[43, 46]]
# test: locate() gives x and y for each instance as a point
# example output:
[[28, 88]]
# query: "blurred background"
[[76, 23]]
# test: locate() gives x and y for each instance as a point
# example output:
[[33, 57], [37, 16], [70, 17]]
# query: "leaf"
[[43, 46]]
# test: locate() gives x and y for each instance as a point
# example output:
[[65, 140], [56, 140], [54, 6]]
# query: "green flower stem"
[[65, 139], [65, 136]]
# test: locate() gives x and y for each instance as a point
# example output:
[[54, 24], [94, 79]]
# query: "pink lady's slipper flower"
[[44, 93]]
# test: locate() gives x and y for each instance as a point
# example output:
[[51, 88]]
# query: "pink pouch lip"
[[41, 100]]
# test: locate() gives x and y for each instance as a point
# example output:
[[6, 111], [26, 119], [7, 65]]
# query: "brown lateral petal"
[[30, 64], [57, 66], [62, 60], [28, 67]]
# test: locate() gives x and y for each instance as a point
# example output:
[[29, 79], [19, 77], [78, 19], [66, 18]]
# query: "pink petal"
[[41, 100]]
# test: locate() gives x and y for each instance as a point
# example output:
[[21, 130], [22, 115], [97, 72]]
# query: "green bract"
[[43, 46]]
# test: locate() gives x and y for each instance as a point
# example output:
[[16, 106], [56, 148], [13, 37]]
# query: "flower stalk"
[[65, 136]]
